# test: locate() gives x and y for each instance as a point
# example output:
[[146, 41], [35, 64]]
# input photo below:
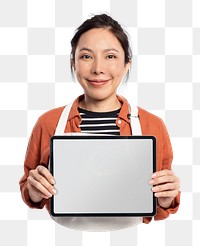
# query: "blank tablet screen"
[[103, 176]]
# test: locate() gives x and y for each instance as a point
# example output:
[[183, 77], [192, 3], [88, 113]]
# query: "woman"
[[100, 60]]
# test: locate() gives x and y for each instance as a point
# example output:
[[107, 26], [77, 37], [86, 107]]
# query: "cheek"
[[81, 69], [117, 71]]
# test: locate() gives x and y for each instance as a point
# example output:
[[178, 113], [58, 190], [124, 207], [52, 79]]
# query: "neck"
[[105, 105]]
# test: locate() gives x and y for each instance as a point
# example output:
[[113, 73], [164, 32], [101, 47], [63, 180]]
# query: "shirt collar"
[[74, 109], [123, 114], [125, 109]]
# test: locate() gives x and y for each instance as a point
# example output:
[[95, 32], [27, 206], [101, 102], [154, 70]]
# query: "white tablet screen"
[[103, 176]]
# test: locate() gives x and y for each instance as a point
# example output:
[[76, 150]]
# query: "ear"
[[73, 65], [127, 66]]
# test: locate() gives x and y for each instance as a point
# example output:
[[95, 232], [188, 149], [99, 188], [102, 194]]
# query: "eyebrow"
[[106, 50]]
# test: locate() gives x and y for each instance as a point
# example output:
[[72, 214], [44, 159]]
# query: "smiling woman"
[[100, 59]]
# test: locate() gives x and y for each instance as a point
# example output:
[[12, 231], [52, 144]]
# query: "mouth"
[[98, 82]]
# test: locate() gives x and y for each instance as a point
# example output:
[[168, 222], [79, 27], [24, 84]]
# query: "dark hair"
[[102, 21]]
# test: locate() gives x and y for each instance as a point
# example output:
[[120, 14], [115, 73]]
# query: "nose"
[[98, 66]]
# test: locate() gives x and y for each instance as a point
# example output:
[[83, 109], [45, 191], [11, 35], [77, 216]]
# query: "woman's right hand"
[[40, 184]]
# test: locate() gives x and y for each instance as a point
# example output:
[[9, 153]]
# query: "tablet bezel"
[[100, 137]]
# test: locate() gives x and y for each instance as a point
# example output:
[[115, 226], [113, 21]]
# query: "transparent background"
[[35, 77]]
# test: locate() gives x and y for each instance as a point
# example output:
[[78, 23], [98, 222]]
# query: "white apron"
[[97, 223]]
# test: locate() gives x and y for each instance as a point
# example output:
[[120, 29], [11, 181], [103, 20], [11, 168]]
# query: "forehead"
[[99, 38]]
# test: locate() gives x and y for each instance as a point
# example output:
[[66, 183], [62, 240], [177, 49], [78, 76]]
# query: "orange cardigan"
[[38, 148]]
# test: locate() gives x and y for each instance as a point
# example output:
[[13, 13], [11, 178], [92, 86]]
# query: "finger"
[[165, 187], [162, 173], [163, 180], [36, 191], [171, 194], [39, 185], [45, 172], [43, 181]]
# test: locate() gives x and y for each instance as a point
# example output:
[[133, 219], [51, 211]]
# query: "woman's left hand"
[[165, 186]]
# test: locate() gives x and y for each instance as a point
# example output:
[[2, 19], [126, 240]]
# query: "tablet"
[[103, 175]]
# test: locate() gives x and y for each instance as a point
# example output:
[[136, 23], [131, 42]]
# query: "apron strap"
[[60, 129], [135, 121]]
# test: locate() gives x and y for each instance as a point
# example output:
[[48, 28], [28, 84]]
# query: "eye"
[[111, 56], [85, 57]]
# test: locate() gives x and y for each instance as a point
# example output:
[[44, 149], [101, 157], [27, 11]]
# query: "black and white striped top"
[[99, 122]]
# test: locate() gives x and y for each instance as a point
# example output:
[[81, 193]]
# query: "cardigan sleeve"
[[163, 213], [32, 160]]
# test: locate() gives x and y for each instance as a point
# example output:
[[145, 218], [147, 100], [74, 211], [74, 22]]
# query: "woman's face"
[[99, 64]]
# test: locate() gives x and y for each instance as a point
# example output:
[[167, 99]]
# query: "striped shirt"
[[99, 122]]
